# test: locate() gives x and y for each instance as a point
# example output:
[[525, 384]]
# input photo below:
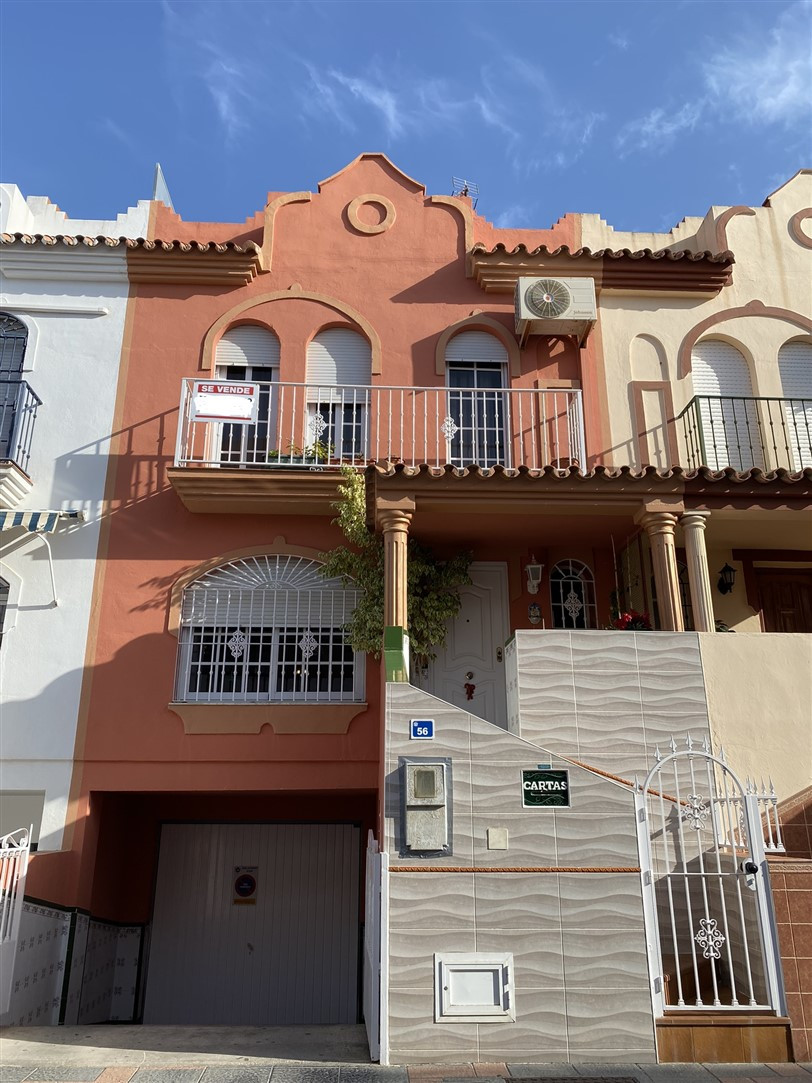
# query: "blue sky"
[[643, 112]]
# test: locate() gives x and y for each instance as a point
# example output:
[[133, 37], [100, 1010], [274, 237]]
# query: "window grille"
[[13, 339], [572, 595], [267, 629]]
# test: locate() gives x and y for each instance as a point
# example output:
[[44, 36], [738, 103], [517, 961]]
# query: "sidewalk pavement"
[[371, 1073]]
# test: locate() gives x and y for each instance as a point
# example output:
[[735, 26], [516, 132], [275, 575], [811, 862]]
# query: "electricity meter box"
[[426, 790]]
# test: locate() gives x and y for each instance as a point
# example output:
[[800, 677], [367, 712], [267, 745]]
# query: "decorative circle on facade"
[[364, 227]]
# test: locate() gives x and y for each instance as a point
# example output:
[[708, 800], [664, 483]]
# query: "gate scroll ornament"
[[710, 928]]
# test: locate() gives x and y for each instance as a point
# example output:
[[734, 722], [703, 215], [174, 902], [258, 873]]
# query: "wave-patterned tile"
[[540, 1022], [602, 733], [625, 766], [431, 900], [612, 692], [492, 745], [497, 787], [661, 650], [603, 652], [609, 1019], [537, 958], [531, 840], [593, 795], [594, 960], [552, 646], [673, 693], [600, 900], [596, 840], [412, 1026], [660, 728], [517, 901], [643, 1055], [554, 730], [411, 955]]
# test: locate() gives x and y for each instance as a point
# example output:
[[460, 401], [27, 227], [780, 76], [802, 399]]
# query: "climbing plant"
[[433, 585]]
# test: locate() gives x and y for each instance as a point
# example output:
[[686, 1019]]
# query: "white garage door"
[[285, 952]]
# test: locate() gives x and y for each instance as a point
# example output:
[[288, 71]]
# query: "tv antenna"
[[462, 187]]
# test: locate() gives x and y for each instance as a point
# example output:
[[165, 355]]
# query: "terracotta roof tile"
[[702, 473], [604, 253], [142, 243]]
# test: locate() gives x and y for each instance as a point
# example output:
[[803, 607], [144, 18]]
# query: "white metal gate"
[[710, 926], [14, 850], [376, 950]]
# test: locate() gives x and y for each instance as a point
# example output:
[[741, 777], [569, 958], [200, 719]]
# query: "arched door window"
[[250, 354], [13, 339], [267, 628], [572, 595], [795, 367], [476, 425], [339, 375], [729, 430]]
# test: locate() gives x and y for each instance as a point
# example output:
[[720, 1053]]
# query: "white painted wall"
[[74, 305], [37, 214]]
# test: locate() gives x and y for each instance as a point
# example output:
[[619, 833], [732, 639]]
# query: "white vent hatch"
[[555, 306]]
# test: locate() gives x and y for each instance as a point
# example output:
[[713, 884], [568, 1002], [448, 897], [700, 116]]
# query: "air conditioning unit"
[[555, 306]]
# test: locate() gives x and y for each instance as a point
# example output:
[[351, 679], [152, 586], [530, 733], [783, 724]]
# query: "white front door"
[[469, 671]]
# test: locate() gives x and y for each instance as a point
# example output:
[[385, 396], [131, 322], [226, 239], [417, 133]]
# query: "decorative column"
[[394, 523], [659, 525], [696, 555]]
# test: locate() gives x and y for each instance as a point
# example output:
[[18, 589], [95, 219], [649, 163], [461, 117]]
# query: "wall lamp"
[[727, 578], [534, 571]]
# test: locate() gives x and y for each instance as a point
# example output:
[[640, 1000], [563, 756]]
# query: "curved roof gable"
[[385, 163]]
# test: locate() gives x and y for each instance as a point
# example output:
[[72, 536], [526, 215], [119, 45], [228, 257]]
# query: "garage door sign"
[[245, 885]]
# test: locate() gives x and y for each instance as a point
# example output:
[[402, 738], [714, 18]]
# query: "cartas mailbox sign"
[[224, 400], [545, 789]]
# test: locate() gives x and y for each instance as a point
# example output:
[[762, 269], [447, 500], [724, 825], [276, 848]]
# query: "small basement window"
[[473, 988]]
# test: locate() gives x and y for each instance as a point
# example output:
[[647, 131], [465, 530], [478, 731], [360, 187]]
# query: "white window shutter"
[[729, 426], [795, 367], [339, 357], [475, 346], [248, 345], [717, 368]]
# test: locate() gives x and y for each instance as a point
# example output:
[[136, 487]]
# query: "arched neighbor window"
[[267, 629], [476, 374], [4, 592], [795, 368], [250, 354], [728, 420], [339, 375], [572, 595], [13, 339]]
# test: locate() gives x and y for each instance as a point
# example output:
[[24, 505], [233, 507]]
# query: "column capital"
[[657, 522], [394, 519], [696, 519]]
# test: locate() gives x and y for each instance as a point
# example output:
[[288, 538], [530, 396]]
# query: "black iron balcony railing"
[[18, 412], [745, 433]]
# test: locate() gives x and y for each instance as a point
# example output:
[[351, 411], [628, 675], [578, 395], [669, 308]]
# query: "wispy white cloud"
[[620, 41], [766, 80], [658, 129], [514, 217], [385, 100], [321, 98], [109, 127]]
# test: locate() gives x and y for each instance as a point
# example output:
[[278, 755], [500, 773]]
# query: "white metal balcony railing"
[[744, 433], [302, 425]]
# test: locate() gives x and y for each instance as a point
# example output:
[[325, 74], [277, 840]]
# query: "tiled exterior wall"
[[101, 961], [39, 967], [608, 699], [577, 937]]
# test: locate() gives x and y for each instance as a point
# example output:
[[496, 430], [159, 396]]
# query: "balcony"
[[745, 433], [18, 412], [306, 430]]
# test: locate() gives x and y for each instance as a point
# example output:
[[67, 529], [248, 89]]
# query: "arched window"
[[795, 367], [572, 595], [13, 339], [729, 431], [476, 373], [339, 375], [250, 354], [267, 629], [4, 591]]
